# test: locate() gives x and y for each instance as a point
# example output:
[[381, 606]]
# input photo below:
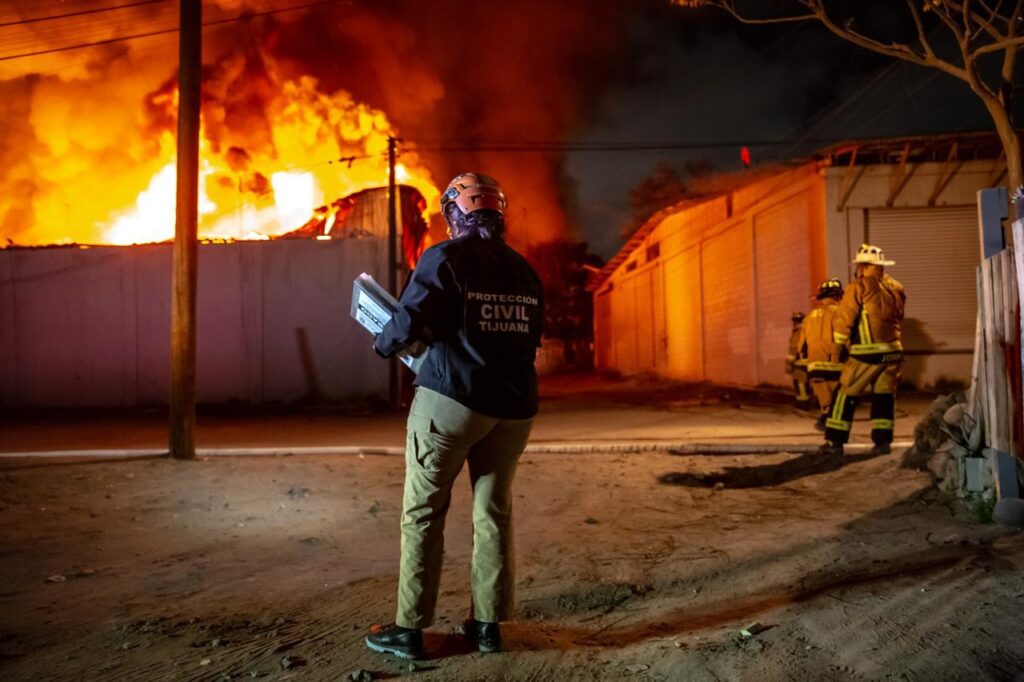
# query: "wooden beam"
[[950, 167], [185, 254], [900, 178], [850, 180]]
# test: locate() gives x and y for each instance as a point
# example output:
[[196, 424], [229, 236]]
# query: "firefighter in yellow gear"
[[796, 366], [816, 346], [868, 319]]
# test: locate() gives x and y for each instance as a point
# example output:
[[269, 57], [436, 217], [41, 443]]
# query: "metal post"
[[394, 388], [183, 294], [992, 211]]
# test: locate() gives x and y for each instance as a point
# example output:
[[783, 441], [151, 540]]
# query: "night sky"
[[702, 77]]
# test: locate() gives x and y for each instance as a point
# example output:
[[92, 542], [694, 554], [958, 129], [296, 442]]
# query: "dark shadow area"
[[918, 564], [808, 464]]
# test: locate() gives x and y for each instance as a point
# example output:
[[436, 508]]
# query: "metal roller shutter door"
[[936, 253], [624, 326], [644, 325], [683, 316], [783, 256], [728, 272], [603, 332]]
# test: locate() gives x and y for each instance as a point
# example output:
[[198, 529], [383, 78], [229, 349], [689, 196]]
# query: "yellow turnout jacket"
[[869, 318]]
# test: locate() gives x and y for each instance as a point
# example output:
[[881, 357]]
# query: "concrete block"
[[977, 470], [1009, 511]]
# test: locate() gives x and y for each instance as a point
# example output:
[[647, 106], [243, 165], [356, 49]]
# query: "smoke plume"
[[86, 132]]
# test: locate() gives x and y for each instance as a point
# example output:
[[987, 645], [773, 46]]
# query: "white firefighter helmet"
[[871, 255]]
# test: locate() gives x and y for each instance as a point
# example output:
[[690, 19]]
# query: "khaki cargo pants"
[[441, 435]]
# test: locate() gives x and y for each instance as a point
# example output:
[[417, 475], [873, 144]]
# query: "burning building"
[[298, 105]]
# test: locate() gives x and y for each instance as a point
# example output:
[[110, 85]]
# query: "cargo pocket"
[[421, 449]]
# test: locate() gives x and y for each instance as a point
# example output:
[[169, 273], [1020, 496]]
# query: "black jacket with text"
[[479, 307]]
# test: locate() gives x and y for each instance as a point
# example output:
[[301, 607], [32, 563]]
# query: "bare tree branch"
[[998, 46], [893, 50], [922, 37], [969, 21], [941, 10], [985, 24], [731, 9]]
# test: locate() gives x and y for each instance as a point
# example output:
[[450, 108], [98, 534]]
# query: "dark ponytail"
[[485, 223]]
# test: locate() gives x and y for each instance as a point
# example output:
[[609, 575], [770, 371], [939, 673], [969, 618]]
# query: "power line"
[[149, 34], [96, 10], [547, 146]]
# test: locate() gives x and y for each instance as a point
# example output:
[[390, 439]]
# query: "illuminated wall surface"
[[706, 292], [91, 327]]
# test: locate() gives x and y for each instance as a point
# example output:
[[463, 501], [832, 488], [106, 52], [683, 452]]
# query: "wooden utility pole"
[[394, 388], [185, 256]]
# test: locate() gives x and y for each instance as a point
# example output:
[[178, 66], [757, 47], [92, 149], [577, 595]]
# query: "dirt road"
[[630, 566]]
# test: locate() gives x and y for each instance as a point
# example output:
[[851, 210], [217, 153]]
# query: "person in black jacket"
[[478, 307]]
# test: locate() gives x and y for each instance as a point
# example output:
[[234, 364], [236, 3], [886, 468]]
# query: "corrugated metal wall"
[[92, 326], [723, 286], [936, 250]]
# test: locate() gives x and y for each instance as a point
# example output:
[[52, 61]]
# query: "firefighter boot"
[[883, 409]]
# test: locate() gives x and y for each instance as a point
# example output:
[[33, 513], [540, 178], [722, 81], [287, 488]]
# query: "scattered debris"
[[637, 668], [205, 661], [591, 520], [361, 675], [754, 646], [298, 493], [56, 578], [85, 573], [374, 508], [753, 629]]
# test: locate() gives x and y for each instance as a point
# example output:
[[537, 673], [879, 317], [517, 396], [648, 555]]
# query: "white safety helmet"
[[871, 255]]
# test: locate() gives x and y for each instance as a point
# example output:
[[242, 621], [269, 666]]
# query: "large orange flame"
[[323, 147]]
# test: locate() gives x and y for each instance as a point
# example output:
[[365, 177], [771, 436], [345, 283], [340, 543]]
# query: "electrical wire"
[[147, 34], [95, 10]]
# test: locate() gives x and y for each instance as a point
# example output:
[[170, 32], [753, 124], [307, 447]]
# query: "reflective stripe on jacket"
[[869, 318], [817, 344], [794, 349]]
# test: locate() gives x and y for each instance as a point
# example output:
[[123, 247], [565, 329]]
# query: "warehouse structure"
[[704, 290]]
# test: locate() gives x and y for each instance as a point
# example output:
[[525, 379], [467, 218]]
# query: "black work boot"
[[830, 448], [486, 636], [819, 424], [881, 449], [394, 639]]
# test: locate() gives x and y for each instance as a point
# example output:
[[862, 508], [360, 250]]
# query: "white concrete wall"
[[91, 327]]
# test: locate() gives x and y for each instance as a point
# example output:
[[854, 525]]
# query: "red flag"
[[745, 157]]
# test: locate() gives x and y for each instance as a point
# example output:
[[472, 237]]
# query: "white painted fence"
[[91, 327]]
